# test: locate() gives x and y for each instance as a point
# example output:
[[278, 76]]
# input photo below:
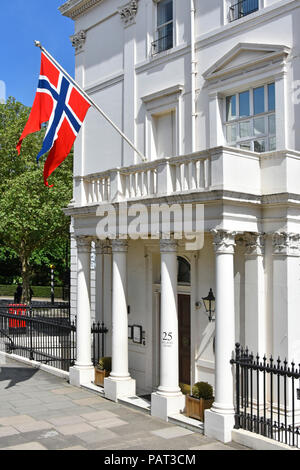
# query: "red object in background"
[[17, 309]]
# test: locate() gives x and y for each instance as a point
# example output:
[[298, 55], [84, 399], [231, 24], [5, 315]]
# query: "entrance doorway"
[[184, 326]]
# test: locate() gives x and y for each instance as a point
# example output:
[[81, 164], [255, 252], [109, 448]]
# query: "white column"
[[99, 281], [119, 384], [255, 311], [286, 301], [83, 371], [107, 295], [255, 305], [219, 421], [168, 400]]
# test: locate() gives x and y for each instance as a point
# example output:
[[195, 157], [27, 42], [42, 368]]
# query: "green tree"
[[31, 215]]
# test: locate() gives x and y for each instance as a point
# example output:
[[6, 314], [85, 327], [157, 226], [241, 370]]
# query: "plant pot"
[[100, 376], [195, 407]]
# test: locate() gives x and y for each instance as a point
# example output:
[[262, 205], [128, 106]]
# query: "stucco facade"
[[215, 112]]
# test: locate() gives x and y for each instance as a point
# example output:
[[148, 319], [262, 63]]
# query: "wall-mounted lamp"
[[210, 305]]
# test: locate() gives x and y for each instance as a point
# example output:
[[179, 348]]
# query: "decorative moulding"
[[245, 56], [74, 8], [78, 40], [128, 12]]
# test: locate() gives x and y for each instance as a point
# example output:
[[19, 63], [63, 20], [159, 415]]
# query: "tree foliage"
[[31, 216]]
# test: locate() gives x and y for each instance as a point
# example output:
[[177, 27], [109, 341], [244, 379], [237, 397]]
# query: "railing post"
[[30, 333], [237, 380]]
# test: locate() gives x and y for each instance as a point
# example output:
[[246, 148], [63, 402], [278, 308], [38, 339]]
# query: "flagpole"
[[92, 102]]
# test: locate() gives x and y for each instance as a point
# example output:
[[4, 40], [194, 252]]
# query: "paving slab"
[[39, 411]]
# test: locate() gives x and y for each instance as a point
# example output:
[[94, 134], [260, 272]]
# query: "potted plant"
[[200, 400], [102, 370]]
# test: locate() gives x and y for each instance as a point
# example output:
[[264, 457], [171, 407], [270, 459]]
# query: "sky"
[[22, 22]]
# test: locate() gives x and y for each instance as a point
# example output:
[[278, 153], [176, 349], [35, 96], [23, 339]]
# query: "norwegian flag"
[[60, 103]]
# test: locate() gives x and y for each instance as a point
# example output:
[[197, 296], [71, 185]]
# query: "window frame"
[[252, 138], [160, 27]]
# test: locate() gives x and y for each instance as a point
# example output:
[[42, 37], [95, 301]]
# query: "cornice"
[[74, 8]]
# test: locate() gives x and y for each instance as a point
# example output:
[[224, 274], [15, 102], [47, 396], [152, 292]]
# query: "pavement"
[[39, 411]]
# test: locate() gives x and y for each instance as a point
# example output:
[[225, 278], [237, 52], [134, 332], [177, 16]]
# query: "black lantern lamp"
[[210, 305]]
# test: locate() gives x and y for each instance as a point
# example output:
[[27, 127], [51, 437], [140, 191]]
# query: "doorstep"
[[94, 388], [136, 402], [186, 422]]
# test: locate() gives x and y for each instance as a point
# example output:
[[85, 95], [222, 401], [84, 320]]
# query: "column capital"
[[224, 241], [286, 244], [255, 243], [119, 246], [168, 245], [83, 243]]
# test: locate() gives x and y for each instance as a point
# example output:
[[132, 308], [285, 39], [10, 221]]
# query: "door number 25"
[[167, 336]]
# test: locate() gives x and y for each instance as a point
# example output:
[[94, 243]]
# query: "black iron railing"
[[242, 8], [266, 397], [162, 44], [46, 335], [44, 339], [98, 341]]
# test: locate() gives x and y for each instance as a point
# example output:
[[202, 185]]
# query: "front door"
[[184, 325]]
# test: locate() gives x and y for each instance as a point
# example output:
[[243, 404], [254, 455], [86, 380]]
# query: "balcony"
[[242, 8], [217, 169]]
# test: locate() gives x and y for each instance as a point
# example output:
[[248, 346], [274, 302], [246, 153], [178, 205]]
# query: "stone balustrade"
[[221, 168]]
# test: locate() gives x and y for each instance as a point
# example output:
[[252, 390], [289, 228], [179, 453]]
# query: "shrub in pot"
[[200, 400], [102, 370]]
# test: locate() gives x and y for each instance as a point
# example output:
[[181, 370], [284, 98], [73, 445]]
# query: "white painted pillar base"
[[81, 375], [115, 389], [163, 406], [219, 426]]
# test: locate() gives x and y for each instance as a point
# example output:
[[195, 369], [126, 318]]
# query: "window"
[[184, 271], [164, 134], [242, 8], [164, 32], [250, 119]]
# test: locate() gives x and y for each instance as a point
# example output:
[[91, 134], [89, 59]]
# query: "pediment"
[[244, 56]]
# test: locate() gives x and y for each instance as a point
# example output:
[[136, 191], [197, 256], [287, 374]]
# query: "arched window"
[[184, 271]]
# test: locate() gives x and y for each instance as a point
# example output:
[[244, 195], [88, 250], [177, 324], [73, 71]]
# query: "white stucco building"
[[208, 92]]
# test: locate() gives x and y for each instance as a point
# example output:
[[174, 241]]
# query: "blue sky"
[[23, 21]]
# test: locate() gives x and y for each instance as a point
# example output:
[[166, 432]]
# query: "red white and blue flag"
[[64, 107]]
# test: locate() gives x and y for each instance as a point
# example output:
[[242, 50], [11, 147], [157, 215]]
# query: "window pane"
[[259, 126], [248, 6], [245, 129], [245, 145], [164, 12], [230, 107], [165, 37], [231, 133], [271, 97], [272, 124], [272, 143], [259, 146], [259, 100], [244, 104]]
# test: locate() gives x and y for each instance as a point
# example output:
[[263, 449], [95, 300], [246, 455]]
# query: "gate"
[[266, 397]]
